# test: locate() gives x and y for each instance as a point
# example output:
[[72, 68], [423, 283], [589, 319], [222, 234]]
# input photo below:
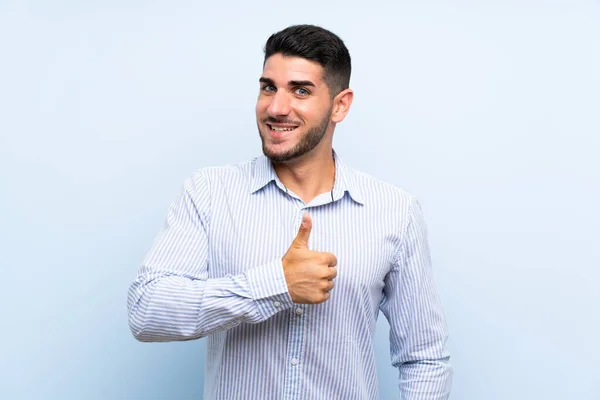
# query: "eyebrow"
[[269, 81]]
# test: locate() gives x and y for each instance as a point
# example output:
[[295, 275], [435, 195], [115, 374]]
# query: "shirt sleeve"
[[171, 298], [418, 330]]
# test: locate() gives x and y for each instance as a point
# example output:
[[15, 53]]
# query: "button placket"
[[294, 353], [295, 345]]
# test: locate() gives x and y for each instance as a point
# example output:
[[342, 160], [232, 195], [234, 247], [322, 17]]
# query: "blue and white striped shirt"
[[215, 271]]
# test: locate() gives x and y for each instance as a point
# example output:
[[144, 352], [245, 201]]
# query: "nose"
[[280, 105]]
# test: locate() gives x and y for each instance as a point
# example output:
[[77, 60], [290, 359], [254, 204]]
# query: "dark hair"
[[315, 44]]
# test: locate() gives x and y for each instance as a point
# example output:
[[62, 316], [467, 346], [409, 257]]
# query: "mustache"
[[280, 121]]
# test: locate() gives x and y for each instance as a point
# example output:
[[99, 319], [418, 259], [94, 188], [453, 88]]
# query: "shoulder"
[[211, 186], [234, 174], [387, 204], [379, 192]]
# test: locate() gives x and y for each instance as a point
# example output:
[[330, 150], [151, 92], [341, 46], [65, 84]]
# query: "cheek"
[[262, 104], [312, 111]]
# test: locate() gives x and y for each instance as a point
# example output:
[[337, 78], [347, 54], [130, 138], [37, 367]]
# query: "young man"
[[284, 262]]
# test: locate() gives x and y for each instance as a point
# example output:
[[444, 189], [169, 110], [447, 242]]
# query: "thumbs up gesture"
[[308, 274]]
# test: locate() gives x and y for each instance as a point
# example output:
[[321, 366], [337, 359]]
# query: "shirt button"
[[299, 311], [294, 361], [277, 304]]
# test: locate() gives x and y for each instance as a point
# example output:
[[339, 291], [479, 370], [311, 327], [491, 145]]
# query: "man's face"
[[293, 109]]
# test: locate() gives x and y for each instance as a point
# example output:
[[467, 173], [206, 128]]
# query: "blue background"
[[488, 112]]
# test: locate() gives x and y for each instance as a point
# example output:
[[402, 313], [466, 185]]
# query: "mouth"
[[281, 128], [280, 131]]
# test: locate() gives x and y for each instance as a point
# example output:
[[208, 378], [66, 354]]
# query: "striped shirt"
[[215, 271]]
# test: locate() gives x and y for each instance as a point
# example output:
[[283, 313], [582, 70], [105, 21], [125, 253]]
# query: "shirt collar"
[[263, 173]]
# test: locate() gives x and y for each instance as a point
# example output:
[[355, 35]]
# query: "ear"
[[341, 105]]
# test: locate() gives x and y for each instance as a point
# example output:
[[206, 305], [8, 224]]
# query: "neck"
[[309, 175]]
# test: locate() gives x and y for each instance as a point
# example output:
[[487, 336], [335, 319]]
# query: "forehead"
[[285, 69]]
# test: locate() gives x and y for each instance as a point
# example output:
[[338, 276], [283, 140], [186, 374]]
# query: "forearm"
[[425, 380], [171, 307]]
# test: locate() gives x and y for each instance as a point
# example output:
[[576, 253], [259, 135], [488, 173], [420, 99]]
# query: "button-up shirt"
[[215, 271]]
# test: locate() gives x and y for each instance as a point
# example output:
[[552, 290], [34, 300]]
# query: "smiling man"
[[284, 262]]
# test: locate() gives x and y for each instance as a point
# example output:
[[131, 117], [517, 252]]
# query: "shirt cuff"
[[269, 288]]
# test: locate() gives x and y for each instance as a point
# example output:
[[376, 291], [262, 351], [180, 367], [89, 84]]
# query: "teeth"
[[282, 129]]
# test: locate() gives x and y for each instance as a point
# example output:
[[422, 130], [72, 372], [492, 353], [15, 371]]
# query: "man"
[[284, 262]]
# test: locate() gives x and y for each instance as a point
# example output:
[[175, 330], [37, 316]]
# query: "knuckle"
[[323, 259], [331, 259]]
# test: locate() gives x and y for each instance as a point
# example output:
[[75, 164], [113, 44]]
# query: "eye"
[[268, 88], [302, 91]]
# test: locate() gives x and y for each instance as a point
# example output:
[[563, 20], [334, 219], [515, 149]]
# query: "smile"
[[281, 128]]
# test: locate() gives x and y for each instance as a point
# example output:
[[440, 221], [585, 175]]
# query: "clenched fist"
[[309, 274]]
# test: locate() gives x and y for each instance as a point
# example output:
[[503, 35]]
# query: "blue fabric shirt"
[[215, 271]]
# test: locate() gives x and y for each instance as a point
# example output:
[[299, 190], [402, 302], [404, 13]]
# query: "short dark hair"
[[315, 44]]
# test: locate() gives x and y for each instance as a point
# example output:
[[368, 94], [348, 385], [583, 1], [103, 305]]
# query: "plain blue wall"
[[488, 112]]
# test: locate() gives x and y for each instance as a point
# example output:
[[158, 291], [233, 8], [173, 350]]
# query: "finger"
[[323, 298], [332, 273], [329, 286], [331, 260], [304, 231]]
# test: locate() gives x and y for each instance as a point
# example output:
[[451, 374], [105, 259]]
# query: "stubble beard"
[[308, 142]]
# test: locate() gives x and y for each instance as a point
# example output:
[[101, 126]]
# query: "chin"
[[277, 145], [276, 155]]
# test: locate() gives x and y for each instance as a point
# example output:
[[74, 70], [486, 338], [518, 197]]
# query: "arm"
[[418, 329], [172, 298]]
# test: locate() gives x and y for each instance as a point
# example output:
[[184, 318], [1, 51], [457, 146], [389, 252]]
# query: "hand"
[[308, 274]]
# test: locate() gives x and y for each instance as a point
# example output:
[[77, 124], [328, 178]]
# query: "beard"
[[307, 142]]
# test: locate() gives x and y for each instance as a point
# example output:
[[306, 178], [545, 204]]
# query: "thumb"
[[304, 231]]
